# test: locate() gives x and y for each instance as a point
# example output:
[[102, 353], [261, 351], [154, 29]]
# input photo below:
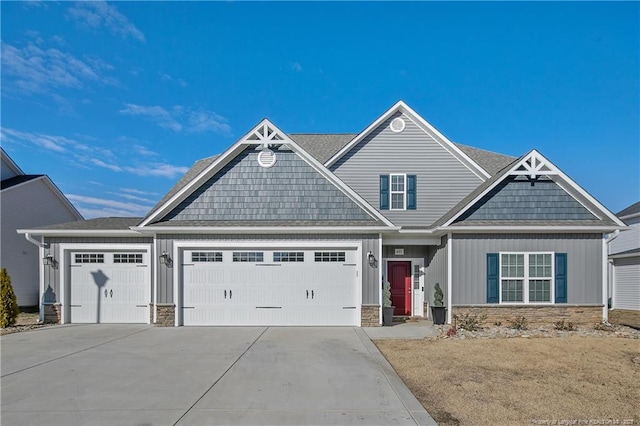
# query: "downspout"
[[41, 246], [610, 267]]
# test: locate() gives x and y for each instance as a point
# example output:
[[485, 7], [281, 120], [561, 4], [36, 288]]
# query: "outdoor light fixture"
[[372, 259], [165, 259], [48, 260]]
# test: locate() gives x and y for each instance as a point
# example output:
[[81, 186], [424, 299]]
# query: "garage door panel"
[[266, 293], [106, 291]]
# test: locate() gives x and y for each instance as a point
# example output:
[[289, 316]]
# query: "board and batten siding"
[[584, 263], [52, 275], [370, 289], [30, 205], [442, 180], [626, 291]]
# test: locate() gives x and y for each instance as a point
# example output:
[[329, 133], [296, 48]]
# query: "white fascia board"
[[544, 229], [426, 127], [399, 240], [256, 229], [417, 231], [345, 189], [80, 232]]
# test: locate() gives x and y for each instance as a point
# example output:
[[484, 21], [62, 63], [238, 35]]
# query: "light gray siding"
[[30, 205], [628, 239], [519, 198], [52, 275], [626, 287], [584, 263], [290, 190], [370, 285], [442, 180]]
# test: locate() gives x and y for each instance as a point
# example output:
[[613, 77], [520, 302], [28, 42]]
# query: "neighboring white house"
[[27, 201], [624, 258]]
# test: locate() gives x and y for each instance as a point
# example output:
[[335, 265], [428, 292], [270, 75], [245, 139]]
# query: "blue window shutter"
[[411, 192], [384, 192], [492, 278], [561, 277]]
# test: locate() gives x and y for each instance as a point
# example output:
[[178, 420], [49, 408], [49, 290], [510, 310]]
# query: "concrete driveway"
[[141, 375]]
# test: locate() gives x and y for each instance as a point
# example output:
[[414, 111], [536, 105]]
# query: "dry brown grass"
[[521, 381]]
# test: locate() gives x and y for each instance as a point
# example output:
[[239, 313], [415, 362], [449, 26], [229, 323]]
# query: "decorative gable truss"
[[531, 169], [272, 140]]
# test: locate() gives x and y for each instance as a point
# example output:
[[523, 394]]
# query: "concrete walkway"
[[140, 375], [418, 329]]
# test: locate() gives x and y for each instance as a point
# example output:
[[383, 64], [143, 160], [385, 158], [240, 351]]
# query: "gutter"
[[28, 237]]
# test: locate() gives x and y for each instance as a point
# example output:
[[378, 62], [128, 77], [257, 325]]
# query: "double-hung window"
[[398, 192], [526, 277]]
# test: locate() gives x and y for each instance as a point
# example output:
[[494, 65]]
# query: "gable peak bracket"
[[534, 165]]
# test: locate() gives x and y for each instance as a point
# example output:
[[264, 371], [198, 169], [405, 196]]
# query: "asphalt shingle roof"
[[632, 209], [102, 223], [322, 146], [250, 223]]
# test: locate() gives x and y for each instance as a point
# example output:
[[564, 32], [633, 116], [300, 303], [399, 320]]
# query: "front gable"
[[532, 192], [443, 174], [290, 190], [264, 179]]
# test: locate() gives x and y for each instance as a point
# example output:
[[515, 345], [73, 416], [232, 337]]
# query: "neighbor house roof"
[[17, 180], [633, 209]]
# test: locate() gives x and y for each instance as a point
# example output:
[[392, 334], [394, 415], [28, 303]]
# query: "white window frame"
[[526, 278], [404, 192]]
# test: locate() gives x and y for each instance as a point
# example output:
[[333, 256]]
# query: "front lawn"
[[567, 380]]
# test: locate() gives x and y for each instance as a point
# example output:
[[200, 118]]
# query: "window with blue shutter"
[[384, 192], [492, 278], [561, 277], [411, 192]]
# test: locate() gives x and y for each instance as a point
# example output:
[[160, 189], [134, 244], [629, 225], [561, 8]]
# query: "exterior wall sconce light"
[[165, 259], [372, 260], [49, 260]]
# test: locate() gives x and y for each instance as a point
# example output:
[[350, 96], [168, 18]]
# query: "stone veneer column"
[[370, 316], [166, 315], [53, 313], [535, 314]]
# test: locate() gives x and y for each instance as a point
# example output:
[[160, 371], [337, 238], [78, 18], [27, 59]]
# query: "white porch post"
[[449, 277], [605, 284]]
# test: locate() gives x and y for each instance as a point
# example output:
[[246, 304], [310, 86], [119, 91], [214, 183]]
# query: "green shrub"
[[438, 296], [518, 323], [10, 311], [471, 322], [386, 294]]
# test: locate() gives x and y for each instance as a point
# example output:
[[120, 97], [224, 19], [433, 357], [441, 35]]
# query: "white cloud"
[[100, 163], [295, 66], [144, 151], [96, 14], [32, 69], [157, 169], [180, 118], [48, 142], [167, 77], [137, 191], [131, 208], [133, 197]]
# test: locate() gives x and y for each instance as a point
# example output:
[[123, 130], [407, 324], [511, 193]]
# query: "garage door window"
[[248, 256], [206, 256], [329, 256], [127, 258], [89, 258], [288, 256]]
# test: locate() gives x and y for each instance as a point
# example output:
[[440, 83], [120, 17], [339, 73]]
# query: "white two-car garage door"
[[109, 287], [270, 287]]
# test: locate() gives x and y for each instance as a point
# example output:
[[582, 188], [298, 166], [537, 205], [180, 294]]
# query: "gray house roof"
[[631, 210], [102, 223], [322, 146]]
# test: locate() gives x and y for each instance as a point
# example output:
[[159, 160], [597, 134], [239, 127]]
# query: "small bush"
[[498, 323], [452, 332], [604, 326], [10, 311], [518, 323], [565, 326], [471, 322]]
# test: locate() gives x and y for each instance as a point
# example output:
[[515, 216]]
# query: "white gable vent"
[[266, 158], [397, 125]]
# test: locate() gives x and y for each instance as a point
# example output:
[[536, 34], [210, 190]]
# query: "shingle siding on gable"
[[290, 190], [518, 198]]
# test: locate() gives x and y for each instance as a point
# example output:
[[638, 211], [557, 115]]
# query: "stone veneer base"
[[370, 316], [52, 313], [166, 315], [535, 315]]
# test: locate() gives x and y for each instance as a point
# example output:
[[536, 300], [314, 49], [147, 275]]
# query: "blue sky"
[[114, 101]]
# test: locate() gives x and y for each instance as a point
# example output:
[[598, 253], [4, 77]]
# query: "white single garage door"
[[109, 287], [626, 291], [270, 287]]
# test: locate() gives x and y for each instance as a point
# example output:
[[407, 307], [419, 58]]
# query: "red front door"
[[399, 274]]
